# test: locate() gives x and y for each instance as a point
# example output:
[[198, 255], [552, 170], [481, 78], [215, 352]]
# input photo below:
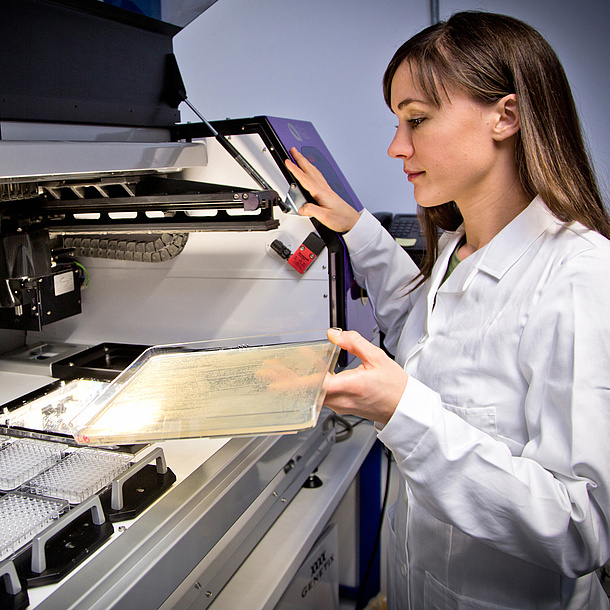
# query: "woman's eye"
[[416, 122]]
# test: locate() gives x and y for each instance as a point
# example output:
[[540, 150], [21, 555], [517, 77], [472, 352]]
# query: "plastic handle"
[[11, 580], [116, 501], [39, 560]]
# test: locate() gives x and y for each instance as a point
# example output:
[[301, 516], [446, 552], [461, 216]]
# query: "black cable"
[[369, 567], [348, 430], [358, 421]]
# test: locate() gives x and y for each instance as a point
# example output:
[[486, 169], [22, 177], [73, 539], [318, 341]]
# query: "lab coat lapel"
[[431, 287], [440, 268]]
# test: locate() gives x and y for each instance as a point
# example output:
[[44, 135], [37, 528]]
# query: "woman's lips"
[[412, 175]]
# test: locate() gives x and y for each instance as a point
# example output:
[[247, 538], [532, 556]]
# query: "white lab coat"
[[503, 432]]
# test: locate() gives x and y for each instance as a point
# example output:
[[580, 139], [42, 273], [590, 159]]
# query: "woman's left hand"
[[373, 389], [331, 210]]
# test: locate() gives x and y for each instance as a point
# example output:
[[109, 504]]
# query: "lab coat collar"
[[511, 243], [501, 253]]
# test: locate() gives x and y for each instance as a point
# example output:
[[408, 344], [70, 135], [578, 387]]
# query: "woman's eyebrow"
[[409, 100]]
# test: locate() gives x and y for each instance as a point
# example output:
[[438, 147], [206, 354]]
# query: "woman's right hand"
[[331, 210], [371, 390]]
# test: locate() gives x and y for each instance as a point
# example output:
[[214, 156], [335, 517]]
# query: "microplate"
[[25, 458], [22, 516], [80, 474], [207, 389]]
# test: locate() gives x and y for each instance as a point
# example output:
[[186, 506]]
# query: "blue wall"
[[323, 61]]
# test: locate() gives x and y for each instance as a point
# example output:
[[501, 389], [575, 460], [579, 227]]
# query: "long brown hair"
[[488, 56]]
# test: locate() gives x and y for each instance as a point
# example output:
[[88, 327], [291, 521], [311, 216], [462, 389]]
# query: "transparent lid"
[[248, 386]]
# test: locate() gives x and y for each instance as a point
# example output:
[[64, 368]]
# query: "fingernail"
[[334, 331]]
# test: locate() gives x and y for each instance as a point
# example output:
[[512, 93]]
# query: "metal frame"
[[215, 516]]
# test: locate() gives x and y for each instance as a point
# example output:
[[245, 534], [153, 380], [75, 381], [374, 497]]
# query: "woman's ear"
[[507, 118]]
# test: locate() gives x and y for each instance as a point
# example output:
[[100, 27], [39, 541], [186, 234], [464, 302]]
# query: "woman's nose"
[[401, 145]]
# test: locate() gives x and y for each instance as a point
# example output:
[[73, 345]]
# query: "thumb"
[[357, 345]]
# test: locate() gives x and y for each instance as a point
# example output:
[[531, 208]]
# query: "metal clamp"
[[116, 501], [11, 580], [39, 560]]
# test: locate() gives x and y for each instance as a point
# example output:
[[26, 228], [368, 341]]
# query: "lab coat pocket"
[[483, 418], [396, 564], [439, 597]]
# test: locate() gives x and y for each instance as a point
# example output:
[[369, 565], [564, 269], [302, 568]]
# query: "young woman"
[[497, 405]]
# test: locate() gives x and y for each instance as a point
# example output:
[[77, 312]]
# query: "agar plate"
[[206, 389]]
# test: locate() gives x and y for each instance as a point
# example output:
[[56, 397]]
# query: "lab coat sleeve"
[[384, 269], [551, 504]]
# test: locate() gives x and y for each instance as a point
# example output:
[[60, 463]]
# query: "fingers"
[[305, 168], [357, 345], [331, 210], [374, 388], [372, 393], [308, 175], [325, 216]]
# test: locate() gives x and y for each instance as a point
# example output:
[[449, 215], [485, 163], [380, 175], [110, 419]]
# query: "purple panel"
[[303, 136]]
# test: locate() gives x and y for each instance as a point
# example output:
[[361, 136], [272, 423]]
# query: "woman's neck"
[[486, 217]]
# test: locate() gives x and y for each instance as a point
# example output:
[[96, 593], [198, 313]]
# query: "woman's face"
[[448, 152]]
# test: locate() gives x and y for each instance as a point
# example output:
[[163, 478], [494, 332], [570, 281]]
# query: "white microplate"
[[80, 474], [54, 411], [22, 517], [202, 390], [24, 458]]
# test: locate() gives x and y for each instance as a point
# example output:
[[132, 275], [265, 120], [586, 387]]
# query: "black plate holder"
[[137, 487], [13, 595], [62, 546]]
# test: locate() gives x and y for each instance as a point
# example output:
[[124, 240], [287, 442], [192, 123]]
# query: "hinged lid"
[[92, 62]]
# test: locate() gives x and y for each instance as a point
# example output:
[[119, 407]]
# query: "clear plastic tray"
[[24, 459], [22, 517], [80, 474], [249, 386]]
